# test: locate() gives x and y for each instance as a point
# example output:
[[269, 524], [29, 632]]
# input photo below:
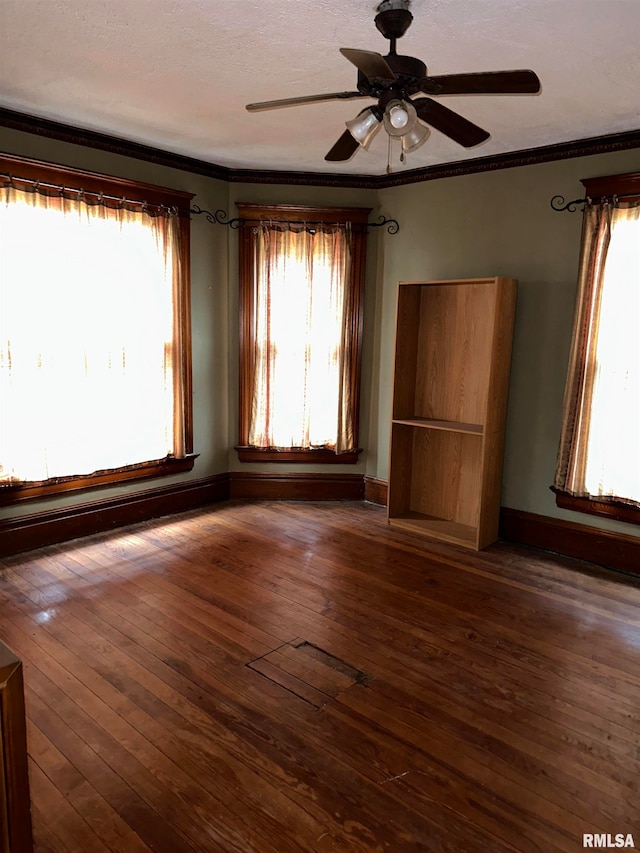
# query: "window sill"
[[320, 456], [11, 493], [613, 509]]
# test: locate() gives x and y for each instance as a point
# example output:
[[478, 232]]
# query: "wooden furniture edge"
[[16, 808]]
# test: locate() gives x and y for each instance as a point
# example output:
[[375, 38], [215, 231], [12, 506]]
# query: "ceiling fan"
[[394, 79]]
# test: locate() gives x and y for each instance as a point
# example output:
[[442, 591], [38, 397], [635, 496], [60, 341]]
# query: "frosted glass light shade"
[[412, 140], [364, 127]]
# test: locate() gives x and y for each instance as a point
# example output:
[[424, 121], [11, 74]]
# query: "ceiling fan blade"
[[521, 82], [453, 125], [370, 63], [344, 148], [308, 99]]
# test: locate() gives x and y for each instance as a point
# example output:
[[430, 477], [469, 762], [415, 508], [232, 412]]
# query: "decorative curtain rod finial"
[[558, 203], [221, 217]]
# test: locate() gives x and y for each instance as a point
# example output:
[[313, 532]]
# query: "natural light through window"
[[299, 338], [598, 467], [613, 448], [299, 329], [86, 338]]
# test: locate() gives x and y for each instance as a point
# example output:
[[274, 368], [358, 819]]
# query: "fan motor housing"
[[410, 73], [406, 66]]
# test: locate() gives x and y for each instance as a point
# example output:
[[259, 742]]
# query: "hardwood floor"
[[281, 677]]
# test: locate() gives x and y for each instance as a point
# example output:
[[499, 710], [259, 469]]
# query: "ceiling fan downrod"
[[393, 20]]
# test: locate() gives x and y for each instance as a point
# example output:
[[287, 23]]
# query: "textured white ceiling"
[[176, 74]]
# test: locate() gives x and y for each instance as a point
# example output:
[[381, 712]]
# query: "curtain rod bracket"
[[558, 203]]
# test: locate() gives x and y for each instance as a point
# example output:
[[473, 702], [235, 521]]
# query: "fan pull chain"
[[389, 169]]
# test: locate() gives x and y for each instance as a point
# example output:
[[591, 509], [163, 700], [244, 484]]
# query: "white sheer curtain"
[[600, 446], [302, 384], [87, 339]]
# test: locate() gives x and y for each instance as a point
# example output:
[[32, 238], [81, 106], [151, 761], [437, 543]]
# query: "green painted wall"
[[499, 223], [496, 223]]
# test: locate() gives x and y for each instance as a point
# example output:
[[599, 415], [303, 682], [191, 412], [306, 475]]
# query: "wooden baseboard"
[[604, 547], [59, 525], [375, 491], [296, 487]]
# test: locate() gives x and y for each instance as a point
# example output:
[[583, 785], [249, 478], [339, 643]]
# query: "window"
[[301, 299], [599, 460], [95, 381]]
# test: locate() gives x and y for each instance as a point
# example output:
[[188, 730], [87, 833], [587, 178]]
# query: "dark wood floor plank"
[[498, 712], [179, 780], [105, 821], [62, 819], [613, 683]]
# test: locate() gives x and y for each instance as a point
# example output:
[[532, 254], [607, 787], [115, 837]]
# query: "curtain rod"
[[558, 203], [221, 217], [41, 187]]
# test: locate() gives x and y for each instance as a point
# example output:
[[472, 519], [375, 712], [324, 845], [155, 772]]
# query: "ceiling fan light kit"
[[400, 117], [393, 80], [415, 138], [365, 126]]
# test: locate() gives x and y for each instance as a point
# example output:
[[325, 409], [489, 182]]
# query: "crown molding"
[[115, 145]]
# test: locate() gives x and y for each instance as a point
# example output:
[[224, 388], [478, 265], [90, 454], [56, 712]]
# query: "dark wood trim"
[[15, 805], [183, 317], [375, 490], [616, 510], [93, 183], [320, 456], [246, 303], [59, 525], [302, 213], [105, 142], [526, 157], [604, 547], [608, 185], [296, 487], [14, 493], [607, 548]]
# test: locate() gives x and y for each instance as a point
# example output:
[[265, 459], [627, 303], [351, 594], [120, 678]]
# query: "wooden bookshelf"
[[451, 377]]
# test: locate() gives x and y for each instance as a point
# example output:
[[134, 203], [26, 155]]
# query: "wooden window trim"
[[320, 456], [296, 213], [93, 183], [609, 185], [608, 507], [11, 493], [598, 189]]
